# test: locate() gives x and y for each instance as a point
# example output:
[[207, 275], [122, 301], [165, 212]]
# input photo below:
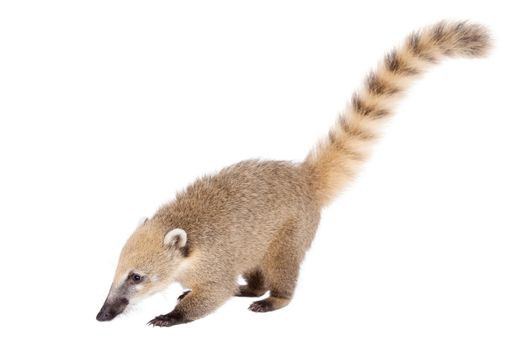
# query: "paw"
[[168, 320], [162, 321], [261, 306]]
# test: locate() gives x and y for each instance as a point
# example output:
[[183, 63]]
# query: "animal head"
[[147, 264]]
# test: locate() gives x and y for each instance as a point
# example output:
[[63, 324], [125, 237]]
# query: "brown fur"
[[258, 218], [253, 218]]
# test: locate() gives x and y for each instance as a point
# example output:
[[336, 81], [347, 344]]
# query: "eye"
[[135, 278]]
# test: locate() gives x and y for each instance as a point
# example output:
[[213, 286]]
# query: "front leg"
[[199, 302]]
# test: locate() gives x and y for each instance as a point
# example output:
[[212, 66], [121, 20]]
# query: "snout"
[[111, 309]]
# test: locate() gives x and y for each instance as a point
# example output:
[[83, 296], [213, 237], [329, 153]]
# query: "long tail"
[[336, 159]]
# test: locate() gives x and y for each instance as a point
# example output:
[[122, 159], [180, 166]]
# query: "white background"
[[107, 108]]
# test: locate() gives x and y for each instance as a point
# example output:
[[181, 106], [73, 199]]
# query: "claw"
[[159, 321], [170, 319]]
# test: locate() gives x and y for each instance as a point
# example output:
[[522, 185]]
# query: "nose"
[[105, 315], [111, 309]]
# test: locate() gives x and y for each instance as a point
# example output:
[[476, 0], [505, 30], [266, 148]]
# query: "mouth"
[[110, 310]]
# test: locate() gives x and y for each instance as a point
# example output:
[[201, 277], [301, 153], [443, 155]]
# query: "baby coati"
[[258, 218]]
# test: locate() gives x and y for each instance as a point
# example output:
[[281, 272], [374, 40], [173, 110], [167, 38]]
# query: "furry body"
[[258, 218]]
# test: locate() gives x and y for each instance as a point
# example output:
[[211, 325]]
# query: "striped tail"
[[336, 159]]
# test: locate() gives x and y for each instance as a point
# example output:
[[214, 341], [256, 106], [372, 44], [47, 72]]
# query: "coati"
[[258, 218]]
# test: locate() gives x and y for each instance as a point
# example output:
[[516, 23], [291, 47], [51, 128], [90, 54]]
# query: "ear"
[[142, 221], [175, 238]]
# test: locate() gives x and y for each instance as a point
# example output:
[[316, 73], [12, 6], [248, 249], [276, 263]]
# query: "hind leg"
[[255, 285], [281, 265], [281, 281]]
